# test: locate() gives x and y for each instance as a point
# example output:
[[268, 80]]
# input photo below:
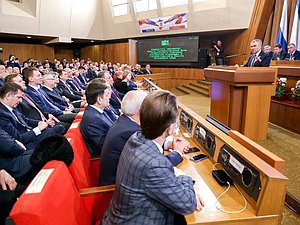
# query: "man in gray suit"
[[148, 190]]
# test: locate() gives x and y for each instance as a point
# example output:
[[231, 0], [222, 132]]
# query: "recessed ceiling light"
[[92, 41], [28, 36]]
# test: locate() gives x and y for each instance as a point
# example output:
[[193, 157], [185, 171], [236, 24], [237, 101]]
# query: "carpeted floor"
[[282, 142]]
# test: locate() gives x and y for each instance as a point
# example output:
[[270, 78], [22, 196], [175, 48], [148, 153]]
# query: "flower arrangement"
[[280, 87], [295, 92]]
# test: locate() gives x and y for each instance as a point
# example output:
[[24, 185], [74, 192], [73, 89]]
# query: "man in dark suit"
[[66, 89], [27, 131], [279, 54], [82, 75], [53, 94], [293, 53], [147, 69], [148, 189], [95, 120], [268, 50], [118, 134], [14, 156], [2, 71], [116, 97], [258, 57], [34, 90], [118, 81]]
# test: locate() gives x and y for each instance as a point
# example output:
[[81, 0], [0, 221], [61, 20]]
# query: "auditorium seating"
[[59, 202], [84, 169]]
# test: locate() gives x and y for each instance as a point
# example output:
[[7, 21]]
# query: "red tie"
[[34, 106]]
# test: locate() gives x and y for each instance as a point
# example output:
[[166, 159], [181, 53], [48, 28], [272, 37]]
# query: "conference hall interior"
[[234, 67]]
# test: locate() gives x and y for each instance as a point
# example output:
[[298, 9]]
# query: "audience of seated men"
[[279, 54], [118, 134], [66, 89], [34, 90], [28, 108], [96, 120], [49, 88], [293, 53], [27, 131], [78, 81], [82, 75], [74, 85], [148, 188]]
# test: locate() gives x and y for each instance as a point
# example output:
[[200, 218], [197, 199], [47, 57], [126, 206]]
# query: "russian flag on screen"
[[295, 36], [282, 33]]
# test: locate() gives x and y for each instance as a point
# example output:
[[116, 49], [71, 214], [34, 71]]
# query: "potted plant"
[[280, 88], [295, 92]]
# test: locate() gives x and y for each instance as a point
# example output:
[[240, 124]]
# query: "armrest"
[[96, 190]]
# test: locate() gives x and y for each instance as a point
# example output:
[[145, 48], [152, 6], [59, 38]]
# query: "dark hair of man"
[[28, 73], [10, 88], [10, 77], [158, 111], [95, 89], [278, 45]]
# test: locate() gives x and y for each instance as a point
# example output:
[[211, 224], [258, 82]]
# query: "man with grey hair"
[[268, 50], [293, 53], [118, 134], [258, 58]]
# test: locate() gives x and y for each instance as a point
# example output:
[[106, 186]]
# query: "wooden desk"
[[265, 210], [241, 98]]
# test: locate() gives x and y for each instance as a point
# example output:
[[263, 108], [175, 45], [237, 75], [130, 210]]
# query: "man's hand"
[[6, 179], [42, 125], [180, 144], [200, 202]]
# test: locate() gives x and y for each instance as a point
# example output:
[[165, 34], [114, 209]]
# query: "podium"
[[241, 98]]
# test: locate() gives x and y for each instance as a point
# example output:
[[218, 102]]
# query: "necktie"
[[20, 119], [292, 57], [83, 78], [252, 60], [69, 88], [41, 92], [34, 106]]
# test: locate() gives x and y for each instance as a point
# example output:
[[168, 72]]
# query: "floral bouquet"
[[295, 92], [280, 87]]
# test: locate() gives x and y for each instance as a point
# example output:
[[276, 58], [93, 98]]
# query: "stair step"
[[200, 85], [183, 89], [197, 90], [204, 82]]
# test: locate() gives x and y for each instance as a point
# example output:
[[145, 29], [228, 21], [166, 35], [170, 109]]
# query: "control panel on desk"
[[240, 171], [205, 139], [186, 121]]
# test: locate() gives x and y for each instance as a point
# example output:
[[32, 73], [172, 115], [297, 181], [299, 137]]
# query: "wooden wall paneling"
[[132, 54], [26, 51]]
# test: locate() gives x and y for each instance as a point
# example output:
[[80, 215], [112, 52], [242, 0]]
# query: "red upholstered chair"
[[59, 202], [83, 169]]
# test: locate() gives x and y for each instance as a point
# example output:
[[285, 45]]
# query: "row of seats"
[[69, 195]]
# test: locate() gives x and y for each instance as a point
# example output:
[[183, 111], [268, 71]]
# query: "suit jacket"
[[262, 61], [81, 84], [91, 74], [30, 111], [147, 71], [115, 95], [82, 78], [280, 56], [116, 138], [147, 191], [94, 127], [70, 94], [14, 128], [1, 82], [75, 87], [13, 158], [56, 98], [46, 106], [296, 55], [118, 84]]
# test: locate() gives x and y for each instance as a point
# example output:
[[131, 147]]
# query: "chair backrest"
[[57, 202], [84, 171]]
